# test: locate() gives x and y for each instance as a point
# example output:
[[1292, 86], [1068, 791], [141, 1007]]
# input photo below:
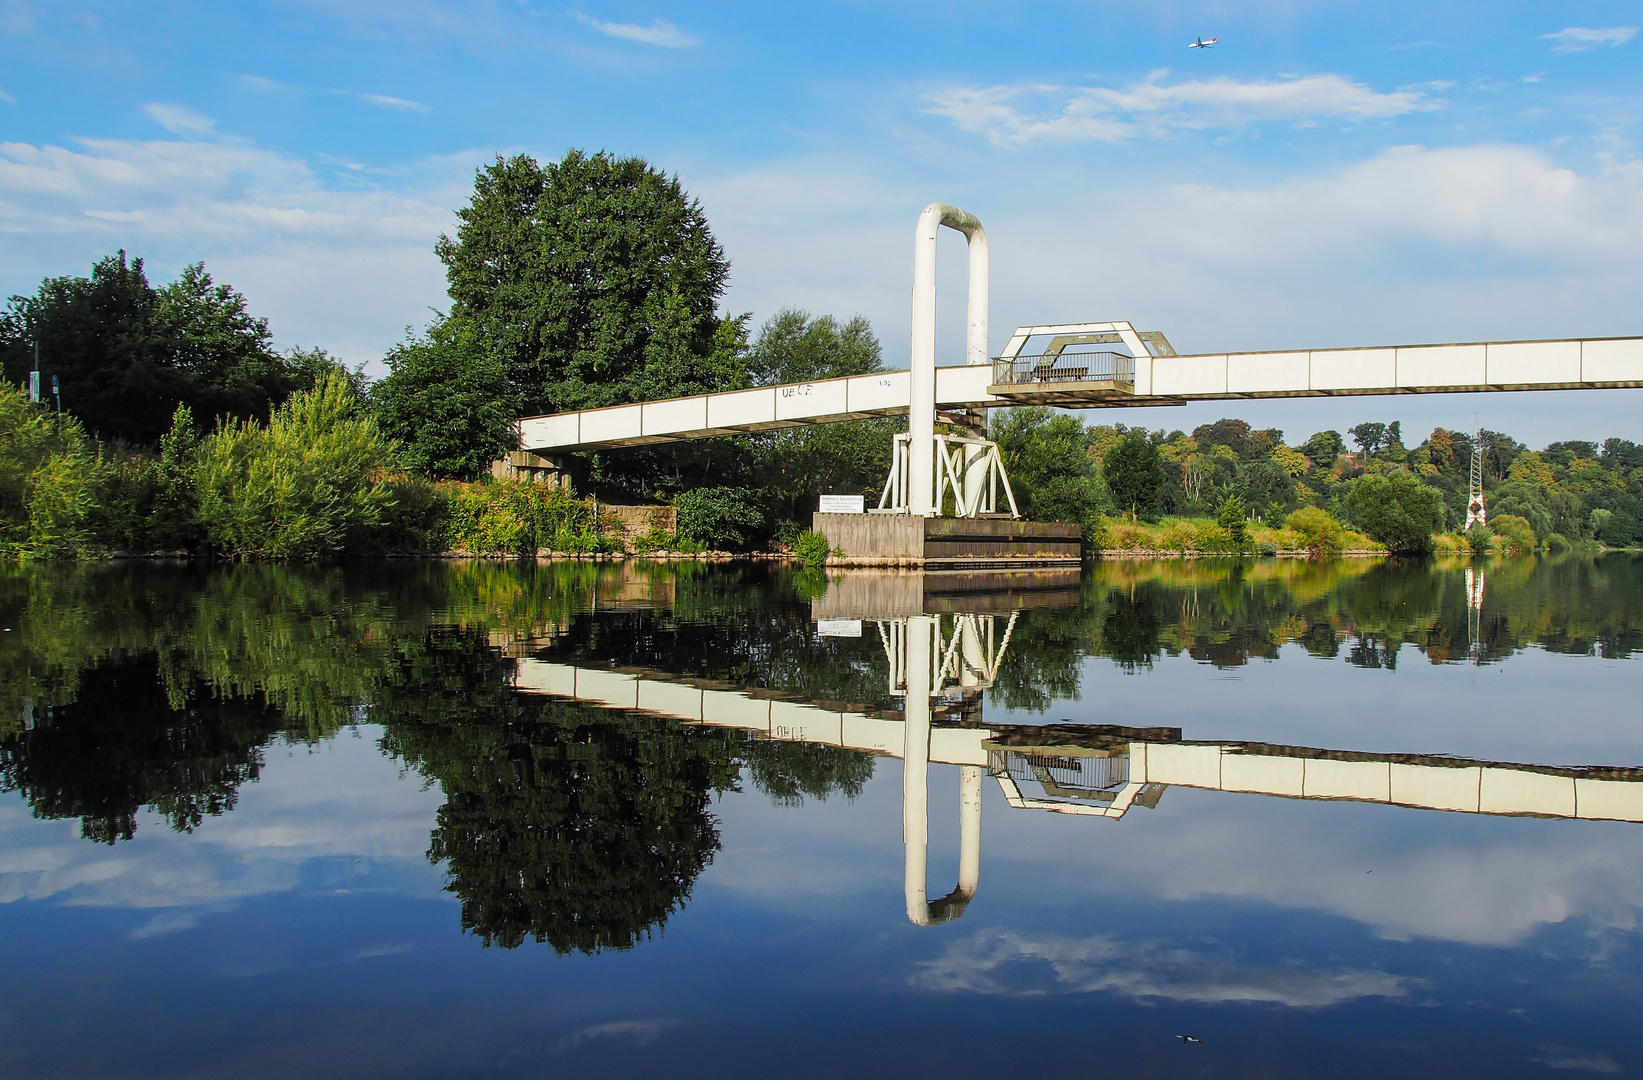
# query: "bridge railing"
[[1065, 366]]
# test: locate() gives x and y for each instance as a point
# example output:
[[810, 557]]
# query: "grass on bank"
[[1309, 530]]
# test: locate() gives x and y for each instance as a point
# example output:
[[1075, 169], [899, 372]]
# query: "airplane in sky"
[[1202, 44]]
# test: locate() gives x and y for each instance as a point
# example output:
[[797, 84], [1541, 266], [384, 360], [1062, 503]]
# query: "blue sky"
[[1329, 174]]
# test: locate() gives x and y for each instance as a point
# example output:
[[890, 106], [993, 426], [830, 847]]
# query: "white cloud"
[[329, 262], [1469, 243], [1581, 39], [261, 84], [180, 119], [1005, 962], [1152, 107], [660, 32], [7, 98], [402, 104]]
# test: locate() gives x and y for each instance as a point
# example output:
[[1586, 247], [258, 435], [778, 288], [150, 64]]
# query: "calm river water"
[[1184, 819]]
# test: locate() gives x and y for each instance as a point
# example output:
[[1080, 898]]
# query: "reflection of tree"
[[789, 771], [122, 745], [578, 827], [1046, 650], [1130, 633], [745, 624]]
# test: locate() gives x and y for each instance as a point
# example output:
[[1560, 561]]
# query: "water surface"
[[393, 820]]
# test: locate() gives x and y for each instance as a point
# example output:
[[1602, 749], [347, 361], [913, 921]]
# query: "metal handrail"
[[1065, 366]]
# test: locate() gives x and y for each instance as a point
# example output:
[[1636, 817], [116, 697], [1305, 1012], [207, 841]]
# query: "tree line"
[[1223, 482], [596, 280], [591, 281]]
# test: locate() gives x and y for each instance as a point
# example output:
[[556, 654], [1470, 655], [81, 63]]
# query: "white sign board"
[[839, 627], [843, 504]]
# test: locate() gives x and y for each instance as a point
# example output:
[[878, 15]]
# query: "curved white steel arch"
[[921, 418]]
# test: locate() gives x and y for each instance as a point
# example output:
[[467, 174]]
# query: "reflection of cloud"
[[1006, 962], [1580, 38], [1435, 876], [344, 803], [167, 923], [642, 1032], [1567, 1057], [1154, 107]]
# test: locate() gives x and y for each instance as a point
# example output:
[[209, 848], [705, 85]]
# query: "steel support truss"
[[971, 470]]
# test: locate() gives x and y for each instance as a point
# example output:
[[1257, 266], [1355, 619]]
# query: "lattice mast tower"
[[1475, 511]]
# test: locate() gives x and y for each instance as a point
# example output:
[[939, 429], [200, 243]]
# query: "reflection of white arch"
[[922, 634]]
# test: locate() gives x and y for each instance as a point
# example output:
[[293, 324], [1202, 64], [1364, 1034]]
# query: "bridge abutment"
[[948, 543]]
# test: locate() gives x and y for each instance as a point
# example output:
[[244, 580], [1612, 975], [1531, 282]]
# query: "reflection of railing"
[[1065, 366], [1071, 773]]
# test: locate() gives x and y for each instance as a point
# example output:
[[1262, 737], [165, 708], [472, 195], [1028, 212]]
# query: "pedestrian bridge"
[[1103, 365]]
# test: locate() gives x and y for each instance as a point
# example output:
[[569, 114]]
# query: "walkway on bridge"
[[1069, 372]]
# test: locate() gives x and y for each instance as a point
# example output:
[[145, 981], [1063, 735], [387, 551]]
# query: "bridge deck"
[[1576, 363]]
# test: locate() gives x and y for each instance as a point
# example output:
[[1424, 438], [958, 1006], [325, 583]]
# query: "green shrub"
[[788, 532], [49, 481], [811, 548], [1317, 530], [1557, 542], [721, 518], [1231, 518], [1479, 539], [1214, 540], [517, 517], [1179, 536], [1397, 510], [301, 486], [1514, 534], [415, 520], [63, 499]]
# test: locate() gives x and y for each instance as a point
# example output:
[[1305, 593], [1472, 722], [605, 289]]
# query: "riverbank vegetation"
[[596, 281]]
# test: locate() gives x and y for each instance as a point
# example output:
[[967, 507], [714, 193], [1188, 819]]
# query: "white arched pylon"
[[921, 416]]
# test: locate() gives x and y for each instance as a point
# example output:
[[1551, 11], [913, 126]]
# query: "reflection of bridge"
[[1092, 770]]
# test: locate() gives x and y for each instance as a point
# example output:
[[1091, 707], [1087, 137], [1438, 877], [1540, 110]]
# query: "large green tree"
[[126, 354], [1134, 472], [447, 401], [594, 280]]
